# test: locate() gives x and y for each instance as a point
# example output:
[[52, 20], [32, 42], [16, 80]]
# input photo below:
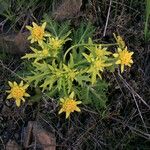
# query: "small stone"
[[12, 145]]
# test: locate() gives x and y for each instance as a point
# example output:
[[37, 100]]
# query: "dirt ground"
[[126, 123]]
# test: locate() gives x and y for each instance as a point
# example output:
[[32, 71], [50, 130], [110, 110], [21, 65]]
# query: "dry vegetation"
[[125, 124]]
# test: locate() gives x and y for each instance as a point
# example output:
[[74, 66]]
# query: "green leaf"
[[94, 95], [82, 78], [83, 33], [4, 5], [49, 81], [60, 30]]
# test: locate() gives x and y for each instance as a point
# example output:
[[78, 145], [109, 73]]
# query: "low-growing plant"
[[69, 65]]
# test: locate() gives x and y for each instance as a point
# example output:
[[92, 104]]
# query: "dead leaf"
[[47, 140], [28, 134], [34, 132]]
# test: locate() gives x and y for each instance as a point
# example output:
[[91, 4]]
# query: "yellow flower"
[[101, 52], [45, 52], [97, 66], [55, 43], [37, 33], [69, 105], [124, 57], [120, 41], [17, 92]]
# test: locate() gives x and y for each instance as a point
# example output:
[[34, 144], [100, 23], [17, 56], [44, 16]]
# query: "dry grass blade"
[[132, 90], [140, 114], [145, 135]]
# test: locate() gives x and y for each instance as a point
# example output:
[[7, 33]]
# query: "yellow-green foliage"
[[67, 61]]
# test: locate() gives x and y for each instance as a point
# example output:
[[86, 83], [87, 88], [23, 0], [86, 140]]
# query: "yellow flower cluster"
[[123, 56], [38, 34], [51, 70], [98, 59]]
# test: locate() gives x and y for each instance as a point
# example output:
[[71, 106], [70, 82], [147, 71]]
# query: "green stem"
[[64, 89], [78, 45]]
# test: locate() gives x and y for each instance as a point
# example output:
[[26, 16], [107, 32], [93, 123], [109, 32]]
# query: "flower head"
[[124, 57], [37, 33], [17, 92], [56, 43], [69, 105], [97, 65], [120, 41], [101, 52], [96, 68], [45, 52]]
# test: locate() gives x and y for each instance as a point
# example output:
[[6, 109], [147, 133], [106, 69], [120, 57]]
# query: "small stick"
[[108, 14], [139, 112]]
